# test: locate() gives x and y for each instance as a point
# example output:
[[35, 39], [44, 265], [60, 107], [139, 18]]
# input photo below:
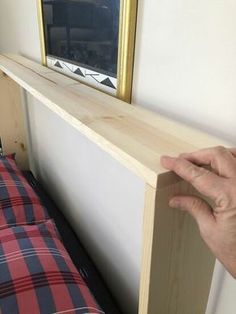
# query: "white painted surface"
[[222, 296], [185, 67], [185, 63], [19, 30], [102, 199]]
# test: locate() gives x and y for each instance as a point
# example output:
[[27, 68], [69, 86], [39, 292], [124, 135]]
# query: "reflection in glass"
[[84, 32]]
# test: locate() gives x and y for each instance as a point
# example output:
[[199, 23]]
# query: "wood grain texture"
[[12, 130], [177, 267], [134, 136]]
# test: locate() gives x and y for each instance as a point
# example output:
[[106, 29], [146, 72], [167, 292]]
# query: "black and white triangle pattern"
[[98, 78]]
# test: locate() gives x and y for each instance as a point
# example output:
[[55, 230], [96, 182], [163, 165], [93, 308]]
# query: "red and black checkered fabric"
[[37, 274], [19, 204]]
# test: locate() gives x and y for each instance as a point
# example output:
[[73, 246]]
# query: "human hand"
[[217, 224]]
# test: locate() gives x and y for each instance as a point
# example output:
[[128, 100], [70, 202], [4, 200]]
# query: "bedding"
[[76, 250], [19, 204], [37, 274]]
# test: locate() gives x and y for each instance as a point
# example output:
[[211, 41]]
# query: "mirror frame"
[[126, 45]]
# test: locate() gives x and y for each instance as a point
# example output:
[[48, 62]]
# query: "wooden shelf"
[[177, 267], [134, 136]]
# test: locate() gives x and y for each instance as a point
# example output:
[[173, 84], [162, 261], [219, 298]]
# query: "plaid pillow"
[[18, 202], [37, 274]]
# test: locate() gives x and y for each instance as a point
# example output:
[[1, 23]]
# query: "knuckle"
[[225, 199], [196, 173], [220, 150], [177, 166], [196, 208], [196, 203]]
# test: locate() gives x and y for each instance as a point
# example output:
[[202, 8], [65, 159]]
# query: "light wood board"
[[176, 266], [12, 129], [134, 136]]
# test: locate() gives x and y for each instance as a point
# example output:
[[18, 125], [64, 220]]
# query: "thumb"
[[198, 208]]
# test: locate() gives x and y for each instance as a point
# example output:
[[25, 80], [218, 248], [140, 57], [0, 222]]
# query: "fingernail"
[[174, 203]]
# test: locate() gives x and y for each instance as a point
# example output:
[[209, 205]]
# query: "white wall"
[[19, 30], [223, 291], [185, 62], [184, 67], [102, 199]]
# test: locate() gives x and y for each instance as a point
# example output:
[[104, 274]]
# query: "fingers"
[[199, 209], [203, 180], [220, 159], [233, 151]]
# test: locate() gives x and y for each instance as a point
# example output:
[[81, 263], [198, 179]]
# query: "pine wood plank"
[[177, 267], [134, 136], [30, 64], [12, 129]]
